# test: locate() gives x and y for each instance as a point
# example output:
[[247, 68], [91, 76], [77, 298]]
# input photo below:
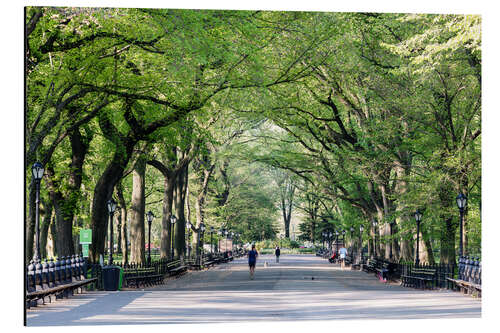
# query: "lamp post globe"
[[461, 203], [111, 206], [418, 219], [37, 171], [149, 217], [111, 210]]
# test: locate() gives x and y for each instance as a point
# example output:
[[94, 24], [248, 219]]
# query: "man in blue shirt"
[[252, 260]]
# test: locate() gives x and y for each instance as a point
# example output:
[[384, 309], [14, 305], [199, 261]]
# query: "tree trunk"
[[102, 193], [123, 217], [118, 232], [30, 223], [168, 197], [370, 246], [447, 234], [402, 169], [180, 199], [448, 242], [65, 204], [465, 230], [64, 216], [429, 253], [44, 230], [166, 232], [51, 242], [200, 204], [138, 208]]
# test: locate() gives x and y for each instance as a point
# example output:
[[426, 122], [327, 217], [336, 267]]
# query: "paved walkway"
[[300, 287]]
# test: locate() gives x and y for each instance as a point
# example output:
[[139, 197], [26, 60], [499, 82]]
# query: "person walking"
[[252, 260], [343, 253], [277, 253]]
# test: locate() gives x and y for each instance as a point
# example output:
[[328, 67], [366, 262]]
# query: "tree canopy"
[[240, 119]]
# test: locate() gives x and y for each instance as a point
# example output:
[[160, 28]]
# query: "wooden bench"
[[60, 279], [137, 276], [419, 278], [218, 259], [370, 266], [209, 263], [469, 277], [175, 268]]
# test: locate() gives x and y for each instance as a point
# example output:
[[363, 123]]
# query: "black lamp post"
[[221, 234], [149, 217], [224, 234], [202, 232], [343, 238], [211, 240], [173, 219], [361, 229], [231, 235], [418, 219], [336, 241], [352, 241], [391, 226], [111, 210], [188, 234], [37, 172], [330, 238], [461, 203], [374, 223]]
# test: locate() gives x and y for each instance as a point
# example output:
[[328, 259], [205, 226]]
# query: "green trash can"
[[120, 281]]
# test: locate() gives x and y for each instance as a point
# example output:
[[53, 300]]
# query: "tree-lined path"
[[284, 291], [157, 137]]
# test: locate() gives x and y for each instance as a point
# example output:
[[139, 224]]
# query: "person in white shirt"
[[343, 253]]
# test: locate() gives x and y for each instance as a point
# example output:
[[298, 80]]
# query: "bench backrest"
[[423, 272], [50, 273], [30, 277], [469, 269]]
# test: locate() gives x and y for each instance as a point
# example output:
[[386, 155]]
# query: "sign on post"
[[86, 236], [85, 240], [85, 250]]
